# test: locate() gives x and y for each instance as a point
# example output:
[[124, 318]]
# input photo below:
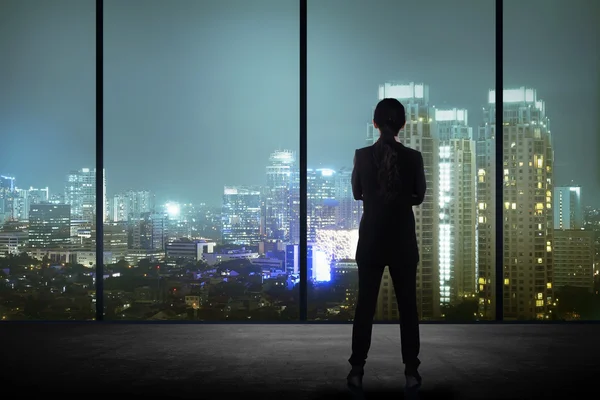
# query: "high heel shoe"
[[354, 381], [413, 384]]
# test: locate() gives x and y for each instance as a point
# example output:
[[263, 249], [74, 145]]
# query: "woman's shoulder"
[[364, 150]]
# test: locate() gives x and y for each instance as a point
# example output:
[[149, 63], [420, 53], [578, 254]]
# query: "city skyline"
[[210, 123], [163, 197], [140, 109]]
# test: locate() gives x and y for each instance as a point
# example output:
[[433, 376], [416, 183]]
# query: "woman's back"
[[388, 219]]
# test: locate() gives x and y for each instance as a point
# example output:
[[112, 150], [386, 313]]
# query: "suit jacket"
[[387, 229]]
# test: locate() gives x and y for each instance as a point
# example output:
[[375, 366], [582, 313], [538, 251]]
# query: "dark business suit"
[[387, 237]]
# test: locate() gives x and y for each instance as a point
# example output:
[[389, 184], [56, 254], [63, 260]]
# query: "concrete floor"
[[295, 361]]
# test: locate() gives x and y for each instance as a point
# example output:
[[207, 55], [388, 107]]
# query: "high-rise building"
[[294, 218], [118, 208], [456, 192], [23, 200], [20, 205], [574, 258], [37, 196], [130, 205], [417, 134], [348, 211], [50, 226], [115, 239], [7, 194], [528, 184], [568, 213], [240, 218], [321, 201], [278, 201], [80, 194]]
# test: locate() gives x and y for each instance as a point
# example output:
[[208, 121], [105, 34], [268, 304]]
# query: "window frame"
[[303, 247]]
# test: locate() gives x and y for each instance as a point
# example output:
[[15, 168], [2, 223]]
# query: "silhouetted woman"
[[389, 178]]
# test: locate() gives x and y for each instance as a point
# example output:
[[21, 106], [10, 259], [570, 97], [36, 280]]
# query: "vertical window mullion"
[[99, 162], [499, 162], [303, 247]]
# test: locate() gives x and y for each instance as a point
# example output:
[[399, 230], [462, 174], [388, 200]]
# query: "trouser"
[[404, 279]]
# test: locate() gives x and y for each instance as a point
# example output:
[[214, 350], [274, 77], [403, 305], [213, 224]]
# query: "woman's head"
[[390, 117]]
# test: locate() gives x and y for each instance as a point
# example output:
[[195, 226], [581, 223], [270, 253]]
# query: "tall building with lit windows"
[[7, 194], [80, 194], [456, 193], [417, 134], [528, 187], [22, 200], [349, 211], [279, 201], [240, 218], [568, 213], [130, 205], [574, 258], [49, 226], [322, 204]]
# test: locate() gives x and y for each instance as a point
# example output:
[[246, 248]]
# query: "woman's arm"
[[420, 183], [356, 186]]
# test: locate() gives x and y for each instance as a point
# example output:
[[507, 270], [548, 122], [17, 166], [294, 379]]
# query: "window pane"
[[551, 170], [47, 159], [201, 129], [438, 59]]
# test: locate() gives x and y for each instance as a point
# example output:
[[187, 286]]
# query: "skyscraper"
[[80, 194], [528, 217], [321, 202], [7, 194], [348, 211], [574, 258], [278, 202], [130, 205], [456, 195], [568, 213], [241, 215], [50, 226], [417, 134]]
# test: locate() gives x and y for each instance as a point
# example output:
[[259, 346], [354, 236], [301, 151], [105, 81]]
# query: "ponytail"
[[388, 174], [391, 117]]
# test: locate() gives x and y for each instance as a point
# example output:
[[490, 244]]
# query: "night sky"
[[198, 93]]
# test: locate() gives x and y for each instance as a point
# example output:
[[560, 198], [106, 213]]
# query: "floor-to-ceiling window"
[[47, 160], [201, 172], [551, 165], [201, 148], [438, 59]]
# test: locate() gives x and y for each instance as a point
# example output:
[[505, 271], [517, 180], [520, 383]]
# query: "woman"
[[389, 178]]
